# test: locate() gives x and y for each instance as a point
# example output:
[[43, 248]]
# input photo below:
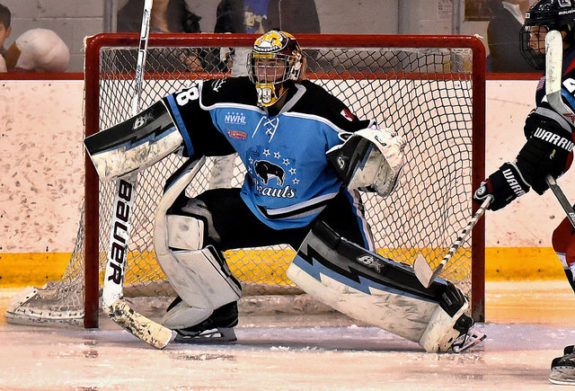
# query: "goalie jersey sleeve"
[[289, 179]]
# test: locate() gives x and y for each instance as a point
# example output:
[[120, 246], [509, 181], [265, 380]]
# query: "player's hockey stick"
[[553, 83], [554, 73], [112, 295], [563, 201], [421, 268]]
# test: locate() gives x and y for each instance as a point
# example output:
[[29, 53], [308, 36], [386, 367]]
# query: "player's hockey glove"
[[548, 151], [505, 185]]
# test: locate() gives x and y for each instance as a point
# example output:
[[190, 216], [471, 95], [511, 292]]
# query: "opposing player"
[[306, 156], [549, 146]]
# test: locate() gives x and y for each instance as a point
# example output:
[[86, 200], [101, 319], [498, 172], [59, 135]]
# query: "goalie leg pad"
[[134, 144], [200, 277], [203, 282], [378, 291]]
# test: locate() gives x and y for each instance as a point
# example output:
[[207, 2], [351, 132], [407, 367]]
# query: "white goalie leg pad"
[[203, 284], [378, 291], [440, 333], [134, 144], [371, 159], [200, 277]]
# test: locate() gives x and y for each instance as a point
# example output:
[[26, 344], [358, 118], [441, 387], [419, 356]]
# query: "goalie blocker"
[[134, 144], [382, 293]]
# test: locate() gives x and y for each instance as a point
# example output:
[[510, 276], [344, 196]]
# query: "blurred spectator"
[[259, 16], [38, 50], [5, 29], [503, 36], [168, 16]]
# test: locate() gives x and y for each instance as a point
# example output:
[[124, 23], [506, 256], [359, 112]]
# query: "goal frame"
[[91, 187]]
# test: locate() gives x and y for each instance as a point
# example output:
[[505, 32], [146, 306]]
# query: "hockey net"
[[428, 88]]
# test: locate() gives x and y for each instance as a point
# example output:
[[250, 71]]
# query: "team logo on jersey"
[[347, 115], [272, 174], [267, 170], [235, 118], [564, 3]]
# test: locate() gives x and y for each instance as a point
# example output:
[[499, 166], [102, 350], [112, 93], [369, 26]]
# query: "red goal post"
[[431, 89]]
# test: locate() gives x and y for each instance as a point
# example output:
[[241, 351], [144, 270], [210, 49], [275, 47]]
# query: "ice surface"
[[516, 356]]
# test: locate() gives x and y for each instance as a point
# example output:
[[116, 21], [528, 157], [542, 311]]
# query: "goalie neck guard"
[[275, 60], [544, 16]]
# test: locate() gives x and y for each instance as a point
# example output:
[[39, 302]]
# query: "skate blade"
[[562, 376], [468, 340], [214, 336]]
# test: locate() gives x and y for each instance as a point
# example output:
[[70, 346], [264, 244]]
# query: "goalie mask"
[[543, 16], [276, 59]]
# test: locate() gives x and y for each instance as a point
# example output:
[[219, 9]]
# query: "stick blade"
[[423, 271], [145, 329]]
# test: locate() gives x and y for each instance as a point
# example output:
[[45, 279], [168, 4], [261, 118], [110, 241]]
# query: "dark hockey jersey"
[[567, 92], [289, 179]]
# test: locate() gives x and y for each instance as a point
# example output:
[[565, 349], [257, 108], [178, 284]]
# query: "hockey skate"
[[218, 328], [563, 368], [467, 340], [469, 336]]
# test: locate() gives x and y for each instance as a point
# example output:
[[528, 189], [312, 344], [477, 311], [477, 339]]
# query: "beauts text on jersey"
[[289, 179]]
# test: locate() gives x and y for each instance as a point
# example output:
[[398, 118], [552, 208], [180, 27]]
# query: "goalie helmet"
[[275, 60], [543, 16]]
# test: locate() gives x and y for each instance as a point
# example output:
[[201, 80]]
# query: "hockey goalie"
[[306, 157]]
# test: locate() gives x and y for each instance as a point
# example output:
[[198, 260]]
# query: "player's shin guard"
[[380, 292]]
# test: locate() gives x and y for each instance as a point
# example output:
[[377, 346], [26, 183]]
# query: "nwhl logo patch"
[[555, 139], [564, 3]]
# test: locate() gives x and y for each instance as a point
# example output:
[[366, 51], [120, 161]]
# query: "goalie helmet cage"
[[431, 89]]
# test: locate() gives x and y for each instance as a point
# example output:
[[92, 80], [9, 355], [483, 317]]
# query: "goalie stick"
[[112, 295], [421, 268]]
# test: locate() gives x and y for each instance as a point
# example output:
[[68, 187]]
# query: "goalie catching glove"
[[548, 151], [370, 159]]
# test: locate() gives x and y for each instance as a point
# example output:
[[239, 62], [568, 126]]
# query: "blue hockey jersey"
[[289, 179]]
